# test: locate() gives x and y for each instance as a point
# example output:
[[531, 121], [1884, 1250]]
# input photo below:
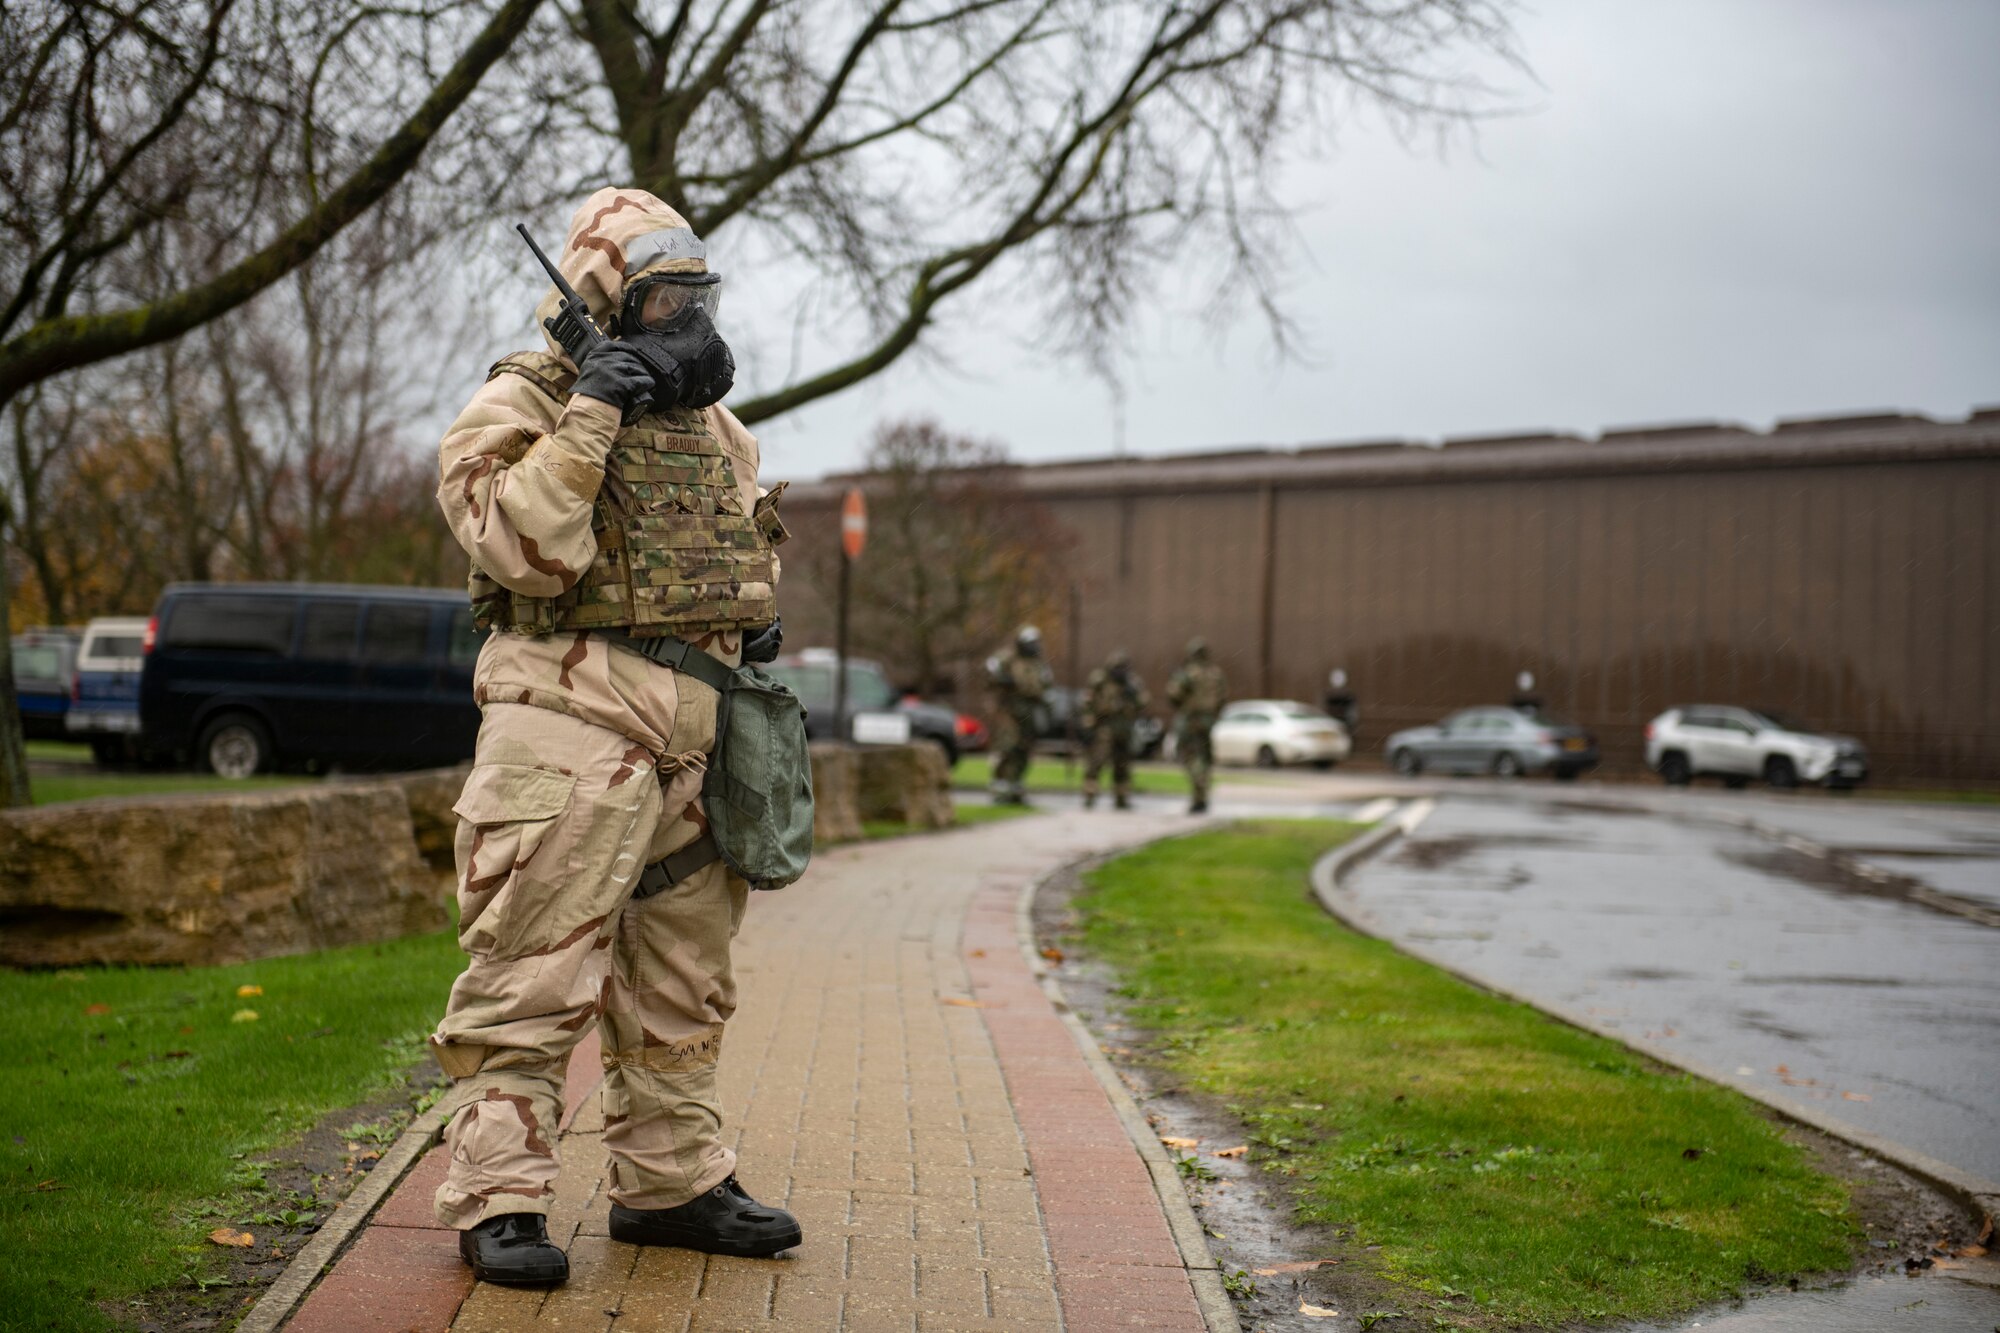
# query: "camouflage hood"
[[594, 253]]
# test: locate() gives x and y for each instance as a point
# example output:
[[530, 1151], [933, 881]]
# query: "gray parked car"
[[1506, 742]]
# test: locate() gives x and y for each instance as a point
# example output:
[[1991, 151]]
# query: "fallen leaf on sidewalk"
[[1237, 1151], [242, 1240], [1172, 1142], [961, 1002], [1305, 1267], [1857, 1097], [1318, 1312], [1970, 1251], [977, 953]]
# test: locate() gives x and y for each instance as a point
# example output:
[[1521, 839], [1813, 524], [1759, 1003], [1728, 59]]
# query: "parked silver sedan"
[[1505, 742]]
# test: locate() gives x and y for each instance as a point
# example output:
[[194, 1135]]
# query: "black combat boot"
[[514, 1250], [723, 1221]]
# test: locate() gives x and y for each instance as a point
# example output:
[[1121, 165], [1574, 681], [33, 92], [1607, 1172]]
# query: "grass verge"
[[135, 1100], [974, 772], [53, 789], [1514, 1170]]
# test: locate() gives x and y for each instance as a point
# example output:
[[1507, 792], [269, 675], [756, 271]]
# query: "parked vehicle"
[[876, 712], [1506, 742], [104, 702], [1740, 744], [1052, 725], [1270, 732], [241, 677], [44, 676]]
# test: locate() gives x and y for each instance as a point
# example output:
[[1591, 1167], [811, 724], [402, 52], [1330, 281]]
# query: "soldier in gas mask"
[[609, 508], [1113, 699], [1020, 682]]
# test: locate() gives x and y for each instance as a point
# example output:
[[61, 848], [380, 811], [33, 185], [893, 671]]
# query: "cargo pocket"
[[510, 812]]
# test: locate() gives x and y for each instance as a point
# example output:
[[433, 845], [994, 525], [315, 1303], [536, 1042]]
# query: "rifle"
[[571, 325]]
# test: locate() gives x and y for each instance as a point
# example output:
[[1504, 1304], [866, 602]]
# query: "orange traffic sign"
[[853, 524]]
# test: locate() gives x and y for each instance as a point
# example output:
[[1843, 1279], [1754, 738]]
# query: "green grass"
[[1513, 1170], [52, 790], [62, 752], [963, 816], [974, 772], [1947, 797], [131, 1098]]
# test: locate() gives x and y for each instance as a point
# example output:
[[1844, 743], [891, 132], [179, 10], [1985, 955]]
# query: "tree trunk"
[[14, 790]]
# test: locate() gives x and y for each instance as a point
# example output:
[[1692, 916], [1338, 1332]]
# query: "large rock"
[[212, 879], [836, 778], [431, 794], [907, 784]]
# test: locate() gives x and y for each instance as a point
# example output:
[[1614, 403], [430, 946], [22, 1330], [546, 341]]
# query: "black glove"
[[762, 645], [617, 374], [692, 366]]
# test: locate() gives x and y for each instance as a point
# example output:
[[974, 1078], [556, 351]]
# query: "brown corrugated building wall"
[[1846, 570]]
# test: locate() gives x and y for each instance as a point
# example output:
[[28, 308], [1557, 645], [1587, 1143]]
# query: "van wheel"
[[1407, 763], [235, 745], [1674, 770], [1736, 782], [1506, 765], [107, 752], [1266, 757], [1781, 773]]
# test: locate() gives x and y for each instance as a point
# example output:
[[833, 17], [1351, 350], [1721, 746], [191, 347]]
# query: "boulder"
[[431, 794], [212, 878], [907, 784], [836, 810]]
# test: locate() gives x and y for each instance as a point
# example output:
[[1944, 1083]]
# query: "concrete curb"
[[1217, 1311], [1978, 1195], [318, 1254]]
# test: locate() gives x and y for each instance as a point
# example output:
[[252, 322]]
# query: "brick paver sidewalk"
[[897, 1079]]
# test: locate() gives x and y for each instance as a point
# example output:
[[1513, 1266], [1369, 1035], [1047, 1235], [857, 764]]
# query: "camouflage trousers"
[[1110, 747], [1197, 756], [556, 821], [1013, 745]]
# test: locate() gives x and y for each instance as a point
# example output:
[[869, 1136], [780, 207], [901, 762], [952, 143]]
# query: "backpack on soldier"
[[758, 789]]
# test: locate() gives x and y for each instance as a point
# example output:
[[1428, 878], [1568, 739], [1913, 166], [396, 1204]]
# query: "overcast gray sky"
[[1742, 209]]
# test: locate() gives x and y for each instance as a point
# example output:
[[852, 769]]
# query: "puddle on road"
[[1835, 878], [1646, 974], [1437, 853]]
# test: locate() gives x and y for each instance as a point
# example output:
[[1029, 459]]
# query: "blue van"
[[104, 705], [243, 677], [44, 676]]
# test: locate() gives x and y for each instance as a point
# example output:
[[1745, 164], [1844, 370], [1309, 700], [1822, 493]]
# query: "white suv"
[[1738, 744]]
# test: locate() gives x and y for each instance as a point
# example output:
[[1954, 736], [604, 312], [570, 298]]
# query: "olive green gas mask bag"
[[758, 789]]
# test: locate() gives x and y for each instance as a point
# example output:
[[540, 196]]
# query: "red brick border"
[[1116, 1262], [402, 1273]]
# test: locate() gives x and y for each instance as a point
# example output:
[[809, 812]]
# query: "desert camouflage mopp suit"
[[588, 766]]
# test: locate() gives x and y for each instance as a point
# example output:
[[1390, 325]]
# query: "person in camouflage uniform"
[[1020, 681], [1113, 699], [1197, 691], [588, 769]]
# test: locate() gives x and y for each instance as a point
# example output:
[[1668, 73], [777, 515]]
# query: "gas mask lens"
[[653, 301]]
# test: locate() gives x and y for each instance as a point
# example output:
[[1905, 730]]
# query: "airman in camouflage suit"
[[588, 768], [1197, 690], [1113, 699], [1020, 680]]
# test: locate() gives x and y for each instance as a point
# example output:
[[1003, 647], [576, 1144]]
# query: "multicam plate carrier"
[[676, 553]]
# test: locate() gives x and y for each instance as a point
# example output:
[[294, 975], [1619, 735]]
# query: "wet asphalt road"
[[1636, 907]]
